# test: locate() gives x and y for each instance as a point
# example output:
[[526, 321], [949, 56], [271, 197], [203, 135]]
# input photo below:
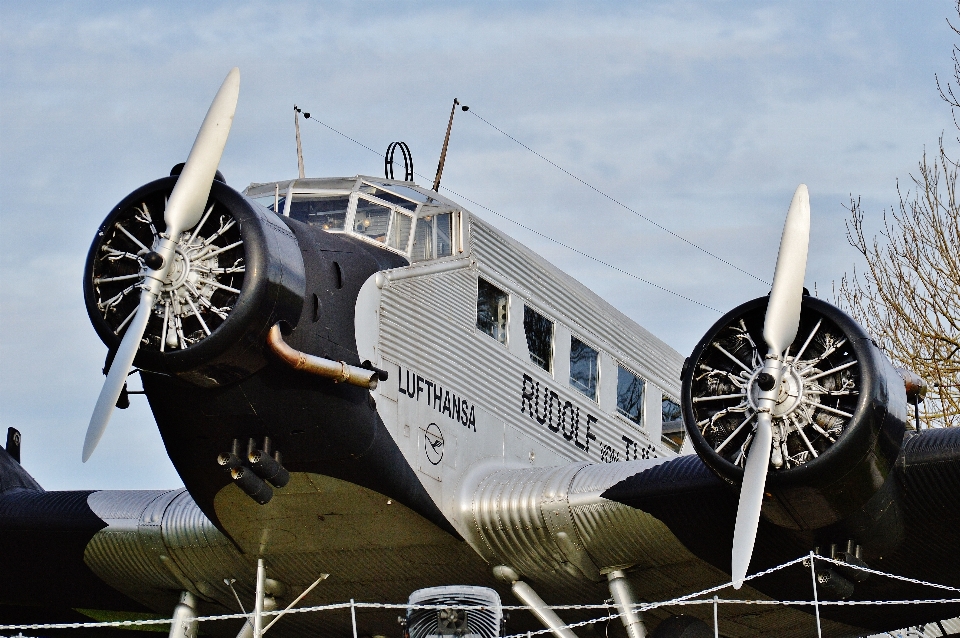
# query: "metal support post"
[[258, 605], [296, 124], [626, 604], [538, 608], [816, 601], [184, 623], [269, 604], [716, 624], [446, 140]]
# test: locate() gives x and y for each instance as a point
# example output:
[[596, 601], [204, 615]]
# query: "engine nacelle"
[[236, 274], [838, 424]]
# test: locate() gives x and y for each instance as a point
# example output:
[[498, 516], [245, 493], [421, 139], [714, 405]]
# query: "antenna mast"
[[296, 124], [446, 140]]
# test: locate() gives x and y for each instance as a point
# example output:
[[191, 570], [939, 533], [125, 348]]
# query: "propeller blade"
[[117, 376], [184, 209], [751, 497], [783, 310], [189, 197], [779, 330]]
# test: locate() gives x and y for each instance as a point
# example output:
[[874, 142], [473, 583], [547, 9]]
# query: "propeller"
[[779, 330], [184, 209]]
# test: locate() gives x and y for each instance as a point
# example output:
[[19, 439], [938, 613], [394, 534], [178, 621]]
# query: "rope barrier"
[[894, 576], [696, 598]]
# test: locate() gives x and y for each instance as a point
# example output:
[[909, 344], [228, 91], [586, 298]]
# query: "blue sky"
[[703, 116]]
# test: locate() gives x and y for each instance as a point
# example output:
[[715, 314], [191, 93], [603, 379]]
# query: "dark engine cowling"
[[838, 425], [236, 274]]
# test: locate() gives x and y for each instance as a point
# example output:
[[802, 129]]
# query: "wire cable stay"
[[311, 117], [580, 252], [618, 202]]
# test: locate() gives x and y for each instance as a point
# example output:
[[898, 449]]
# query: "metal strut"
[[184, 622], [626, 603], [538, 608], [296, 124], [258, 603], [269, 604], [446, 140]]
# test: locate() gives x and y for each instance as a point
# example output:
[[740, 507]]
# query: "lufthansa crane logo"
[[433, 443]]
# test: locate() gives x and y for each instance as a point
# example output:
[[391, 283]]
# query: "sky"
[[700, 116]]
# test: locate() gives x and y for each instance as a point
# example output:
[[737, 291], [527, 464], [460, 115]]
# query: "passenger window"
[[629, 395], [673, 432], [329, 213], [583, 368], [491, 310], [539, 331]]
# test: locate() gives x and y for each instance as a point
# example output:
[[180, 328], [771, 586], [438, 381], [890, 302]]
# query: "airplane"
[[359, 377]]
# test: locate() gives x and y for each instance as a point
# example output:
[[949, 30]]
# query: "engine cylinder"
[[838, 424], [235, 274]]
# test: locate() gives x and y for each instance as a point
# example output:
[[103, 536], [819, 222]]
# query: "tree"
[[908, 298]]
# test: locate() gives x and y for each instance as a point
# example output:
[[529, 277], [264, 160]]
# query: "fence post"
[[816, 602], [258, 604], [716, 625], [353, 617]]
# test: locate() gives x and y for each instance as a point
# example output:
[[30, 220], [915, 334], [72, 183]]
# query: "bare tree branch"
[[909, 297]]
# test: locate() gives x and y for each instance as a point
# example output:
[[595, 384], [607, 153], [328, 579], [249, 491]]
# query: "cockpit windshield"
[[329, 212]]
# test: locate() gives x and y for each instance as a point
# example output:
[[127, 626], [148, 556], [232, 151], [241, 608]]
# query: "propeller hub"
[[190, 264], [790, 396], [179, 269]]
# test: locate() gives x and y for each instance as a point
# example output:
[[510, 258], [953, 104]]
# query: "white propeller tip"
[[737, 584], [89, 445]]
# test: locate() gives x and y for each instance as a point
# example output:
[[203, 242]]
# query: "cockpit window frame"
[[424, 203]]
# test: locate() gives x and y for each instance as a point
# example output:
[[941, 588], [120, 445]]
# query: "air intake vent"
[[455, 610]]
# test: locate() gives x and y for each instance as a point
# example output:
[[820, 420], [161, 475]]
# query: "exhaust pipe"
[[336, 371], [254, 486], [269, 468]]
